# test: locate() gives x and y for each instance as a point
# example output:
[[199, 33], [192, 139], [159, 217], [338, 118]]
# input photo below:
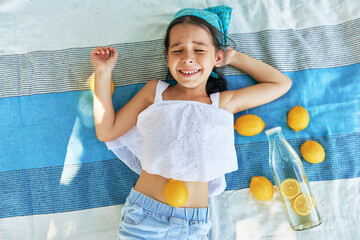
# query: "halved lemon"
[[290, 188], [303, 204]]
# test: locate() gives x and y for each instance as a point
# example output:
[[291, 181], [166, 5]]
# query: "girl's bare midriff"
[[152, 186]]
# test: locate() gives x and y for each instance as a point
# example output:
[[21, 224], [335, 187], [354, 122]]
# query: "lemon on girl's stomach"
[[298, 118], [312, 152], [249, 125], [92, 85], [175, 193], [261, 188]]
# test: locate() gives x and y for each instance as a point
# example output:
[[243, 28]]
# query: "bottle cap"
[[271, 130]]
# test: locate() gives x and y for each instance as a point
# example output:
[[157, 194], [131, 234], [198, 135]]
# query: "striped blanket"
[[57, 181]]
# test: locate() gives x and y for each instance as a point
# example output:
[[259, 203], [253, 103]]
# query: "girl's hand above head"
[[229, 54], [104, 58]]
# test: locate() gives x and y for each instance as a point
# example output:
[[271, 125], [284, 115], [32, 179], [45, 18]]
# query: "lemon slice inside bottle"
[[303, 204], [290, 188]]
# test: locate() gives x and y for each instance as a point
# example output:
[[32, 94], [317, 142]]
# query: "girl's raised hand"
[[104, 58], [229, 54]]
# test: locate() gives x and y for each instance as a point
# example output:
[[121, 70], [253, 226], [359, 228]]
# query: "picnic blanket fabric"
[[57, 181]]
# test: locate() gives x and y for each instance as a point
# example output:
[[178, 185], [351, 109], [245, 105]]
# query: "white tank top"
[[183, 140]]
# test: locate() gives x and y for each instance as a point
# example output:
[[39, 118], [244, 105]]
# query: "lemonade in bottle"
[[290, 178]]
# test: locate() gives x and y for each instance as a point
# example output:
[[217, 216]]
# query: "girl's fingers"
[[103, 51], [115, 52], [97, 51], [106, 50], [94, 51]]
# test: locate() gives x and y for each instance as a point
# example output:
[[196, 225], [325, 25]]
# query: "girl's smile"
[[189, 72]]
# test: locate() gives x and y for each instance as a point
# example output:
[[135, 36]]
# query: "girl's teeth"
[[191, 72]]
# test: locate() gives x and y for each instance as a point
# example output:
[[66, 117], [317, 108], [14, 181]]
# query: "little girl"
[[184, 131]]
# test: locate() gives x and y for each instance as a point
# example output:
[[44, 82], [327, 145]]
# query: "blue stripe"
[[105, 183], [55, 129], [40, 191], [52, 129]]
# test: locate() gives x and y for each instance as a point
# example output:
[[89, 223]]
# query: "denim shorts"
[[145, 218]]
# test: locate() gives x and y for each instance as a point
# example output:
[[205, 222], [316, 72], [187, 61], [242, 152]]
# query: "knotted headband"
[[218, 16]]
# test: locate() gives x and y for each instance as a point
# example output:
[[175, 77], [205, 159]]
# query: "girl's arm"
[[108, 124], [272, 84]]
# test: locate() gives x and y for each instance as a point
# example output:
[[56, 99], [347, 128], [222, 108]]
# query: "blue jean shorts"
[[145, 218]]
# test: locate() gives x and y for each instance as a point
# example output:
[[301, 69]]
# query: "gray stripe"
[[311, 48], [42, 72]]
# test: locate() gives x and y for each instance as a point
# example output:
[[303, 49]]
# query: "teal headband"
[[218, 16]]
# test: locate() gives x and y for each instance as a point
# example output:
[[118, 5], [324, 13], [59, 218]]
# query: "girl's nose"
[[188, 61], [188, 58]]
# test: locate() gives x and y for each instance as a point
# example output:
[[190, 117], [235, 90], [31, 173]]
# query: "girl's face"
[[191, 55]]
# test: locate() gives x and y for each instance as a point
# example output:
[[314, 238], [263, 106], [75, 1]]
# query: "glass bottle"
[[299, 204]]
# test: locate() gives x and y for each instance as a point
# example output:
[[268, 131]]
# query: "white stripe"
[[91, 224], [238, 215], [258, 15], [47, 25], [235, 215]]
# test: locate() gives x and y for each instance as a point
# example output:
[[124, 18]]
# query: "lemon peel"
[[175, 193], [298, 118], [249, 125], [261, 188], [312, 152]]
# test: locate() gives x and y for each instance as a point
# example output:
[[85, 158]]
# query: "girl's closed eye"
[[199, 50], [177, 51]]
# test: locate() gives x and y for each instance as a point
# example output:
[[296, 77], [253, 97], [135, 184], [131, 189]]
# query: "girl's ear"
[[166, 56], [219, 57]]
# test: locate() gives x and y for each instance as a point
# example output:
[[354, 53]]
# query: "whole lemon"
[[92, 85], [175, 193], [249, 125], [261, 188], [312, 152], [298, 118]]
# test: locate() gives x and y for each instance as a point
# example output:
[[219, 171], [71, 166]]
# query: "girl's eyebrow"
[[195, 42], [200, 43]]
